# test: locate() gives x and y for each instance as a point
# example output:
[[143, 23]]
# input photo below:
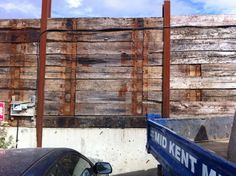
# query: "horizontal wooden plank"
[[103, 109], [66, 48], [152, 84], [85, 72], [101, 23], [27, 84], [219, 95], [154, 59], [104, 96], [203, 83], [202, 109], [21, 72], [203, 45], [207, 33], [19, 23], [203, 57], [153, 22], [119, 85], [53, 108], [106, 121], [79, 23], [175, 71], [152, 72], [20, 95], [203, 20], [120, 36], [150, 107], [175, 95], [107, 85], [218, 70], [8, 60], [19, 36], [113, 60]]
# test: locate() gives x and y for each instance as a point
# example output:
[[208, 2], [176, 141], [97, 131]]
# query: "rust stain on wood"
[[124, 58], [70, 80], [123, 91], [137, 75], [194, 70]]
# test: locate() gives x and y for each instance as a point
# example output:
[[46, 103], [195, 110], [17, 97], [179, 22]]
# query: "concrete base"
[[123, 148]]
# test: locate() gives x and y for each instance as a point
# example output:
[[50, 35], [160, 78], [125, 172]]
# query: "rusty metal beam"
[[41, 74], [49, 5], [166, 60]]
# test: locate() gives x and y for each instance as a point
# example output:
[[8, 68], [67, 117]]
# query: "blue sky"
[[113, 8]]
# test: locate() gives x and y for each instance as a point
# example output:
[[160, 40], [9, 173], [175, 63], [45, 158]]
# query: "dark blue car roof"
[[15, 162]]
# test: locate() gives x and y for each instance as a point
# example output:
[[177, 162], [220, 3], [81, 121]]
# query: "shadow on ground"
[[150, 172]]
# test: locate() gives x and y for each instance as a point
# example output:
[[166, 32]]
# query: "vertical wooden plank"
[[146, 38], [137, 72], [70, 81], [166, 61]]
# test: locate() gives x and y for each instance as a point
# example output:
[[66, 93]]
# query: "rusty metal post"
[[41, 75], [49, 5], [166, 61]]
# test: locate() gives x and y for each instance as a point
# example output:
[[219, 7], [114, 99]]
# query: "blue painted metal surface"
[[180, 156]]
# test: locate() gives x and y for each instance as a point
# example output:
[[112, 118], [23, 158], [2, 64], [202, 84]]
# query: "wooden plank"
[[107, 85], [118, 85], [19, 36], [207, 33], [103, 97], [62, 23], [120, 36], [152, 107], [202, 109], [218, 70], [27, 84], [54, 85], [53, 108], [154, 59], [153, 22], [152, 84], [102, 121], [58, 72], [103, 109], [65, 48], [152, 72], [19, 24], [101, 23], [20, 60], [203, 57], [98, 72], [203, 20], [176, 95], [111, 60], [137, 78], [204, 83], [203, 45], [219, 95]]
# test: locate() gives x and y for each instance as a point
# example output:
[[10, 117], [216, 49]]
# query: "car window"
[[55, 171], [75, 165]]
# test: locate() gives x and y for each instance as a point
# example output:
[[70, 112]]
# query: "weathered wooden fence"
[[112, 79]]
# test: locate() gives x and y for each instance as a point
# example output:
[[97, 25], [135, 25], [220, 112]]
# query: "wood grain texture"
[[202, 109], [204, 83], [203, 33], [203, 45], [203, 20], [100, 79], [203, 57]]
